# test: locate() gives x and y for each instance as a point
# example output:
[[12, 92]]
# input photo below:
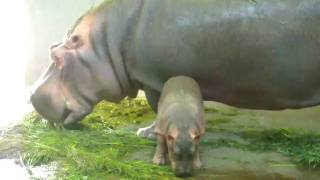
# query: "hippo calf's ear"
[[170, 139], [197, 139], [172, 135], [195, 135]]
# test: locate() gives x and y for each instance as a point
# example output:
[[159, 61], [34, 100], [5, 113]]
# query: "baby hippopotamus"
[[179, 125]]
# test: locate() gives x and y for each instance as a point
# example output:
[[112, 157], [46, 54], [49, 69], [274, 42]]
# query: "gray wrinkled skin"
[[262, 55], [179, 125]]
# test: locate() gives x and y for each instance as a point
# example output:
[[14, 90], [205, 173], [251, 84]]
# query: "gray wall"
[[50, 21]]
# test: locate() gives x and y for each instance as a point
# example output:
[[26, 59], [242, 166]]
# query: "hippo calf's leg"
[[161, 150], [152, 98]]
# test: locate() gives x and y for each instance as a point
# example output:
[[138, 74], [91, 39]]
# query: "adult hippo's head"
[[85, 69]]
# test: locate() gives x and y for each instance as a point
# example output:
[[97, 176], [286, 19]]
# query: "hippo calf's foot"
[[197, 164], [147, 132]]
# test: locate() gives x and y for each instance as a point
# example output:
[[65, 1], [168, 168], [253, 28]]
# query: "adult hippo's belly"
[[258, 55]]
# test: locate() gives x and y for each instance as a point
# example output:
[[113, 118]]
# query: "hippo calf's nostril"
[[183, 172]]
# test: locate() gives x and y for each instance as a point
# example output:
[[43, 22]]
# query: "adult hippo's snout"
[[57, 112], [55, 99], [47, 99], [50, 102]]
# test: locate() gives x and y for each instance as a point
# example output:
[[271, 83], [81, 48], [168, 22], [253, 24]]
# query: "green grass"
[[93, 154], [97, 151], [110, 115]]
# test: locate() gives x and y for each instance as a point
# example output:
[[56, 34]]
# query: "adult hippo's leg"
[[152, 98]]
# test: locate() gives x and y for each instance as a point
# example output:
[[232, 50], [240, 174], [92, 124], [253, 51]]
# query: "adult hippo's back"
[[262, 54]]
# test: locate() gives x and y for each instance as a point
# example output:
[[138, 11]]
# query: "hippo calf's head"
[[183, 151], [77, 78]]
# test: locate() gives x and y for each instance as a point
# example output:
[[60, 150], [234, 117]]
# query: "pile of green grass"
[[99, 150], [110, 115]]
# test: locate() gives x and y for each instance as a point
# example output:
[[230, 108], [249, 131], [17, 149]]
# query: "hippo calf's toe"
[[179, 125]]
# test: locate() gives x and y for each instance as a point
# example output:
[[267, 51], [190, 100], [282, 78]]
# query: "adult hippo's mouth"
[[54, 118]]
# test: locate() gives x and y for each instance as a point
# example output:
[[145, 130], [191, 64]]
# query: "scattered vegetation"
[[96, 152], [90, 154]]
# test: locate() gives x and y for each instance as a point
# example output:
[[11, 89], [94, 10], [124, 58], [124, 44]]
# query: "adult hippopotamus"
[[262, 54]]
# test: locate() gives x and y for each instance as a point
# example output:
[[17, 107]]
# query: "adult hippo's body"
[[258, 55]]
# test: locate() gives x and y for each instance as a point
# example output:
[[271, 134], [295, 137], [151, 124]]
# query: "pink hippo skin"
[[179, 125]]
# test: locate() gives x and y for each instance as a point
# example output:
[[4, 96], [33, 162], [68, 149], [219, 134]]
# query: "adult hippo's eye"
[[74, 42], [75, 39]]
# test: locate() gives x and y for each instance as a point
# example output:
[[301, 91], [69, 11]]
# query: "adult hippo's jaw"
[[46, 95]]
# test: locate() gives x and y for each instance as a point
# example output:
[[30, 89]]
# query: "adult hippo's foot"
[[147, 132], [152, 98]]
